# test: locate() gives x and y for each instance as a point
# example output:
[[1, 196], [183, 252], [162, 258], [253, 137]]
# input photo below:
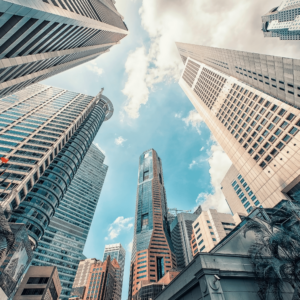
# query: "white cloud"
[[193, 163], [129, 247], [119, 141], [98, 146], [194, 120], [219, 165], [205, 22], [202, 148], [136, 88], [92, 66], [178, 116], [119, 225]]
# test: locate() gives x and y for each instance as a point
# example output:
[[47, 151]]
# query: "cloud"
[[219, 164], [136, 88], [119, 225], [193, 163], [202, 148], [119, 141], [227, 24], [194, 120], [98, 146], [178, 116], [129, 247], [92, 66]]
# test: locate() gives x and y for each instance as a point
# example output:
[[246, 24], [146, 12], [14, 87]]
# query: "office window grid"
[[270, 81], [190, 72], [209, 86], [245, 115]]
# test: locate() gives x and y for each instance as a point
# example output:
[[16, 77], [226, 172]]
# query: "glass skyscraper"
[[41, 38], [283, 21], [256, 124], [46, 133], [152, 252], [118, 252], [64, 239]]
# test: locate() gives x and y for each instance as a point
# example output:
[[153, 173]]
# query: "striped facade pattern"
[[39, 39]]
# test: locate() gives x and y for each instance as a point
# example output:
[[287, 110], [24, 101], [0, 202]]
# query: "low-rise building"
[[39, 283], [227, 271]]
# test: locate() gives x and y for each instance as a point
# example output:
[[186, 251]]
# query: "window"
[[33, 292], [284, 124], [212, 233], [279, 145], [37, 280], [286, 138], [146, 175], [282, 112], [214, 239], [208, 221], [278, 132], [290, 117]]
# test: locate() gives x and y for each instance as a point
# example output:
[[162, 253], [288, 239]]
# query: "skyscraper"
[[152, 252], [46, 134], [273, 75], [181, 231], [209, 228], [64, 239], [116, 251], [42, 38], [283, 21], [259, 133], [101, 283]]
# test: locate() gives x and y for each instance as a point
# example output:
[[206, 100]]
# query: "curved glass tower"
[[43, 199]]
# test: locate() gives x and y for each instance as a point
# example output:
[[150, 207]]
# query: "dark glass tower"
[[39, 39], [152, 252]]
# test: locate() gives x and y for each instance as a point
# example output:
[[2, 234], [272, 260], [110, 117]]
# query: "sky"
[[140, 77]]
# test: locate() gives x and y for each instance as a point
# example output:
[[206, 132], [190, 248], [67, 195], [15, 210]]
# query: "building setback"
[[152, 251], [258, 132], [181, 231], [209, 229], [102, 282], [283, 21], [42, 38], [273, 75], [46, 135], [237, 191], [64, 239], [116, 251], [39, 283]]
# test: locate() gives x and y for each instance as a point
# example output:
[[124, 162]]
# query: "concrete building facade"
[[64, 239], [209, 229], [283, 21], [42, 38], [39, 283], [258, 132], [181, 230], [116, 251], [152, 252], [237, 192], [273, 75]]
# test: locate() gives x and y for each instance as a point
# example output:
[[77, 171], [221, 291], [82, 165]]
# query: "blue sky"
[[140, 77]]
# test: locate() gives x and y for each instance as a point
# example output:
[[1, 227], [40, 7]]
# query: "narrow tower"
[[152, 252]]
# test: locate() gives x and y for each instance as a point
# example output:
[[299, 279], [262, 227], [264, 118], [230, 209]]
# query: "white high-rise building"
[[118, 252], [283, 21], [258, 131]]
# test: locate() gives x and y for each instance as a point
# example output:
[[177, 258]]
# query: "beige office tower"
[[209, 229], [259, 132], [82, 275]]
